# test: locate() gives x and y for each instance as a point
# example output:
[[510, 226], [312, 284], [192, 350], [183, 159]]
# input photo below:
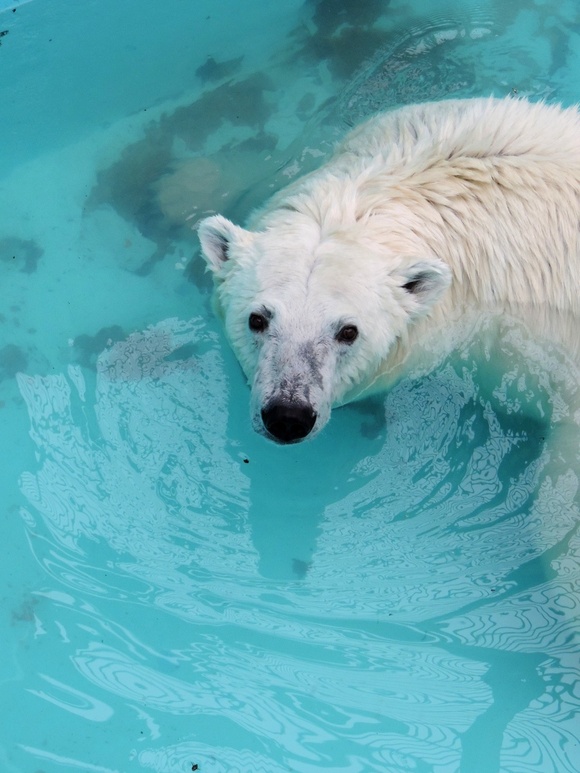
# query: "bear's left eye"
[[257, 322], [347, 334]]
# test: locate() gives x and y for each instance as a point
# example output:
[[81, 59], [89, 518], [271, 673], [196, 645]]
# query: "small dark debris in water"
[[24, 253], [246, 461], [13, 360], [211, 70], [87, 348], [3, 33], [195, 766]]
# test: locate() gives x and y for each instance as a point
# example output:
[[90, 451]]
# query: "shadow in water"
[[515, 680], [287, 499]]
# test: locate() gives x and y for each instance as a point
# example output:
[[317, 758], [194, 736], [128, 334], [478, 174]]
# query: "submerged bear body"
[[422, 214]]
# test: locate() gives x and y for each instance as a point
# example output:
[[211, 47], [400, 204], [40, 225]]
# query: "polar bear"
[[421, 214]]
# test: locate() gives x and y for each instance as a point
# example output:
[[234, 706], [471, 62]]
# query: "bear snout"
[[288, 422]]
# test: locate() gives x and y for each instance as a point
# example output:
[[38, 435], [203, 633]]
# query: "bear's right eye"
[[347, 334], [257, 323]]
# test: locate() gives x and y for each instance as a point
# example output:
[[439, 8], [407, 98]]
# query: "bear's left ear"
[[216, 235], [426, 281]]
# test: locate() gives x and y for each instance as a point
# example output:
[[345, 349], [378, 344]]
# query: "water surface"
[[399, 595]]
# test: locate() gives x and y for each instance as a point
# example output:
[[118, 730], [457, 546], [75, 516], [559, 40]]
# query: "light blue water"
[[401, 594]]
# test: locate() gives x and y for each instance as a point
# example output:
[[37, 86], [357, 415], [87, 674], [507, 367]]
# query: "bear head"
[[312, 316]]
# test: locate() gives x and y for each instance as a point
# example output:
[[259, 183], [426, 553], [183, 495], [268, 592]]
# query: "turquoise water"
[[401, 594]]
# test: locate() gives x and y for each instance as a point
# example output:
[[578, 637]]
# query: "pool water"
[[400, 594]]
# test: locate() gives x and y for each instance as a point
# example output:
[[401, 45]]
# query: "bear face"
[[311, 316]]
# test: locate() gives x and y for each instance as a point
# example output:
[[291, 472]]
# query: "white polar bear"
[[421, 213]]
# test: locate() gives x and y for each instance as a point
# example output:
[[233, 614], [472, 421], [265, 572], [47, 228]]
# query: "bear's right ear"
[[216, 235]]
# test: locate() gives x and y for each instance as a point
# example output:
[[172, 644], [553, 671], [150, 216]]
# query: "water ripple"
[[439, 561]]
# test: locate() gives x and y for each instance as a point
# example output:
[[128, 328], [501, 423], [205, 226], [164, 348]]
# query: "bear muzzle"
[[288, 422]]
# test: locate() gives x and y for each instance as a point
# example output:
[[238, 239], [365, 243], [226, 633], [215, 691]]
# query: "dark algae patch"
[[86, 348], [343, 36], [211, 70], [242, 103], [23, 253], [13, 360], [162, 192]]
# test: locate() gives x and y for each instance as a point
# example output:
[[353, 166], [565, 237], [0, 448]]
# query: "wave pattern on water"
[[442, 564]]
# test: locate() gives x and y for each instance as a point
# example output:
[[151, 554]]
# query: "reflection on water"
[[425, 615]]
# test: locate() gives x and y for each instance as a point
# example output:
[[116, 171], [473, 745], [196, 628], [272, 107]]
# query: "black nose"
[[288, 422]]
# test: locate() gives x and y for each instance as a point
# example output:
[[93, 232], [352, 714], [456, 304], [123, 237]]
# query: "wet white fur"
[[479, 198]]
